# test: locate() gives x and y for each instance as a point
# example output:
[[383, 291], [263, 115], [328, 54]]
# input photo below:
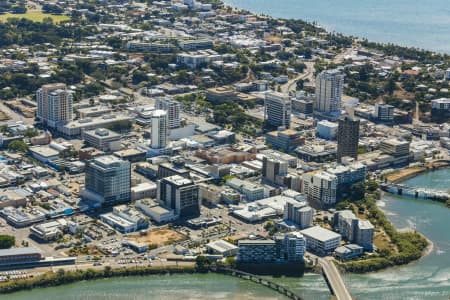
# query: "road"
[[334, 279], [290, 85]]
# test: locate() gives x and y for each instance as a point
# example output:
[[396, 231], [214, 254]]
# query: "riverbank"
[[61, 277], [408, 173]]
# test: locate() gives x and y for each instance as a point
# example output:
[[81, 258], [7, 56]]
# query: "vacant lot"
[[35, 16], [159, 237]]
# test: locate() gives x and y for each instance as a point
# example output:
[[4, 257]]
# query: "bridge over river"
[[408, 191]]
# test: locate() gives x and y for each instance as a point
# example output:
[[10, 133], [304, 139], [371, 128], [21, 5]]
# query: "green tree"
[[357, 191], [7, 241], [202, 264], [18, 146]]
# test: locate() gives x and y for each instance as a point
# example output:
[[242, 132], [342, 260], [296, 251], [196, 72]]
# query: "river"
[[419, 23], [428, 278]]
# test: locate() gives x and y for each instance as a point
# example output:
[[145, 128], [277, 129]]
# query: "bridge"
[[255, 278], [334, 279], [414, 192]]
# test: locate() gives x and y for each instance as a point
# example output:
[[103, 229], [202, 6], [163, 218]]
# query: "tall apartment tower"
[[172, 108], [107, 180], [347, 137], [320, 188], [180, 194], [54, 104], [277, 109], [273, 167], [329, 88], [159, 129]]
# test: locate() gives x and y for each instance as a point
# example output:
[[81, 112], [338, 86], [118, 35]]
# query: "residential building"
[[273, 167], [354, 229], [320, 188], [180, 194], [54, 104], [172, 108], [347, 137], [277, 110], [299, 213], [294, 246], [159, 129], [256, 251], [107, 180], [329, 89]]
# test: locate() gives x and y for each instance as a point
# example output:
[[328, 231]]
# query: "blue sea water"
[[417, 23]]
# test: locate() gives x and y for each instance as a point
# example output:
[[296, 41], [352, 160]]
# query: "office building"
[[384, 113], [327, 130], [159, 129], [286, 140], [277, 110], [320, 188], [440, 110], [54, 104], [102, 139], [320, 240], [273, 167], [108, 180], [19, 256], [395, 147], [299, 213], [180, 194], [251, 191], [172, 109], [329, 88], [347, 137]]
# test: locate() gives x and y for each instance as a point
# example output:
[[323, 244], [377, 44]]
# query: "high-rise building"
[[159, 129], [299, 213], [172, 108], [107, 180], [277, 110], [347, 137], [320, 188], [180, 194], [273, 167], [353, 229], [54, 104], [294, 246], [329, 88]]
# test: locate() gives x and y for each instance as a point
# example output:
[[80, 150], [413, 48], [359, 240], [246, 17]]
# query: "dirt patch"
[[162, 236], [404, 174], [3, 116]]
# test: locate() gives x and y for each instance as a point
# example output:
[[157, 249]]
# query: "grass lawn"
[[35, 16]]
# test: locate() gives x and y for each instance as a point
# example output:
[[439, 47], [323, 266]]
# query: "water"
[[419, 23], [428, 278]]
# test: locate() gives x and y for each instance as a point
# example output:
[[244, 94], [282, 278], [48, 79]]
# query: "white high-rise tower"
[[329, 88], [159, 129]]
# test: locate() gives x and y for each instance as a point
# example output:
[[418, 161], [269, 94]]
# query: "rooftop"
[[321, 234]]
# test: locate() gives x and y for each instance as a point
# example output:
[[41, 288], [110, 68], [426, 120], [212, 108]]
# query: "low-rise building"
[[320, 240]]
